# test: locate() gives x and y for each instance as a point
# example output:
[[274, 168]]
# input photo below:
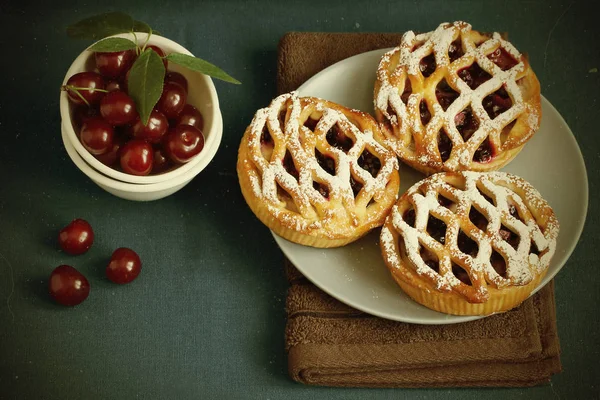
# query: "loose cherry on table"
[[124, 266], [68, 286], [97, 135], [182, 143], [117, 108], [137, 157], [85, 88], [114, 64], [77, 237]]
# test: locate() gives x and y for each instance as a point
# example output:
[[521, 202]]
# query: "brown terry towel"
[[332, 344]]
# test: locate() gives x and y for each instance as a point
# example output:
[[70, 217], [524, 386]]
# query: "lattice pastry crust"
[[456, 99], [469, 243], [312, 171]]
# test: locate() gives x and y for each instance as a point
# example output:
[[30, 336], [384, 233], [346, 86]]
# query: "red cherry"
[[160, 53], [191, 116], [177, 78], [77, 237], [182, 143], [114, 85], [110, 157], [118, 108], [97, 135], [68, 286], [82, 114], [114, 65], [84, 85], [161, 161], [172, 100], [124, 266], [154, 130], [137, 157]]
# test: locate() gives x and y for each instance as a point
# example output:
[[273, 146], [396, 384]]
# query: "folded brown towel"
[[332, 344]]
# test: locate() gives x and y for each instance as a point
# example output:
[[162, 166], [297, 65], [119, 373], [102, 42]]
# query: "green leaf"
[[101, 26], [112, 45], [140, 26], [199, 65], [145, 82]]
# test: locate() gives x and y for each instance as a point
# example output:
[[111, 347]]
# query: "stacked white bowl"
[[201, 94]]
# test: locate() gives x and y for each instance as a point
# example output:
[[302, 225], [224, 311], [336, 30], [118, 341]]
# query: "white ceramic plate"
[[356, 274]]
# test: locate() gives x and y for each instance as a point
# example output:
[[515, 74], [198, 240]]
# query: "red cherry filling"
[[497, 102], [502, 59], [444, 145], [355, 185], [444, 201], [533, 249], [436, 229], [326, 162], [96, 135], [486, 197], [509, 236], [77, 237], [427, 65], [369, 162], [485, 152], [512, 210], [68, 286], [124, 266], [424, 112], [461, 274], [466, 123], [445, 94], [430, 259], [116, 64], [288, 164], [478, 219], [474, 75], [498, 263], [311, 123], [409, 217], [117, 108], [406, 92], [338, 139], [322, 189], [467, 245], [455, 51]]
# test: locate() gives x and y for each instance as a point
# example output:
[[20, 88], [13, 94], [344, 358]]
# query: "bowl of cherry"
[[106, 139]]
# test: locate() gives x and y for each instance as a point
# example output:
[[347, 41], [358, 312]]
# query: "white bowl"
[[147, 192], [201, 94]]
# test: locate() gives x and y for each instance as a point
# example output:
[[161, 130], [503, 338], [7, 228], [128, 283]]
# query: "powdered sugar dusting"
[[537, 224], [403, 62], [290, 186]]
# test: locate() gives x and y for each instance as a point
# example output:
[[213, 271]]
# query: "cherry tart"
[[312, 171], [469, 243], [456, 99]]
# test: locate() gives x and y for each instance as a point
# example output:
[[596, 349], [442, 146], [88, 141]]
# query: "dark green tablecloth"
[[206, 318]]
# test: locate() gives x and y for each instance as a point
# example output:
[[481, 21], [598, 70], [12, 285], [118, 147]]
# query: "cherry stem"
[[76, 90]]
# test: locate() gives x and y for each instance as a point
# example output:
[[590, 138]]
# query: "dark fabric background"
[[206, 318]]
